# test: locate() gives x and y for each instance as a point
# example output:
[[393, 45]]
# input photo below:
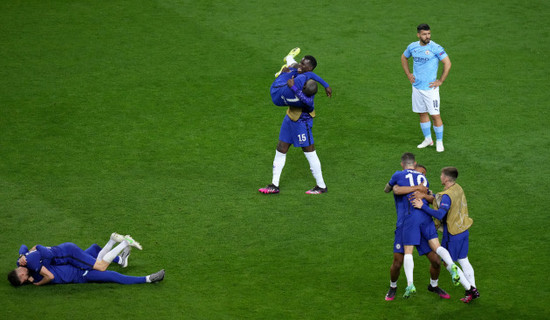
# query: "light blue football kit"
[[425, 62]]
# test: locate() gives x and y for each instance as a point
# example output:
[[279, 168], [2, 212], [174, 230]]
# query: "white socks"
[[111, 255], [278, 165], [408, 265], [468, 270], [105, 249], [290, 61], [444, 254], [315, 167]]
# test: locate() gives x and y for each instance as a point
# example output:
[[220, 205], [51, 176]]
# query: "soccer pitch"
[[153, 118]]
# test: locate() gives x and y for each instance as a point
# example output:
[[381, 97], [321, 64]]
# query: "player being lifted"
[[295, 86]]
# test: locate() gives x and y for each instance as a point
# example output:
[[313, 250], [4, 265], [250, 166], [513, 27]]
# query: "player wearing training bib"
[[289, 90], [426, 56], [451, 209], [417, 224]]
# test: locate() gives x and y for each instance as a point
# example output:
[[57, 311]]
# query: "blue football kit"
[[70, 264], [425, 62], [413, 225], [457, 245], [283, 95], [296, 132], [67, 273]]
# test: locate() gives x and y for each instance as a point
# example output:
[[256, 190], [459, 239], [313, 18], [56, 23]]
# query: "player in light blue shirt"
[[426, 56]]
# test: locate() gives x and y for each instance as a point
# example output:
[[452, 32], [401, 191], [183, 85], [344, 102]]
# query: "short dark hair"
[[310, 88], [13, 278], [312, 61], [422, 26], [450, 172], [408, 158], [421, 166]]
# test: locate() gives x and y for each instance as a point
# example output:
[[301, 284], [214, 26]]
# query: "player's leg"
[[419, 107], [408, 265], [289, 60], [433, 104], [102, 265], [94, 250], [316, 171], [435, 268], [76, 256], [397, 263], [115, 238], [303, 133], [112, 276], [285, 140]]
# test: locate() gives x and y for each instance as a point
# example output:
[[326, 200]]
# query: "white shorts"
[[425, 101]]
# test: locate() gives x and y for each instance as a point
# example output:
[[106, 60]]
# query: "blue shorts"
[[415, 229], [422, 248], [70, 253], [298, 132], [457, 245]]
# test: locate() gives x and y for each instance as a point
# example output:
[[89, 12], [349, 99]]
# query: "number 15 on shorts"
[[302, 138]]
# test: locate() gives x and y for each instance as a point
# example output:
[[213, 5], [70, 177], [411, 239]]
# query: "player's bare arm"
[[47, 276], [405, 65], [401, 190], [446, 68]]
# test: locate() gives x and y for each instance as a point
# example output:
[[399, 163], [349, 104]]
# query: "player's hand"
[[417, 203], [290, 82], [23, 261], [416, 195], [411, 77], [328, 90], [436, 83], [30, 279], [421, 188]]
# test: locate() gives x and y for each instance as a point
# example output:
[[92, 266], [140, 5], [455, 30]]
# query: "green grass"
[[153, 118]]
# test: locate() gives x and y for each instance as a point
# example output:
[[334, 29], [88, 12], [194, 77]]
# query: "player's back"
[[411, 178]]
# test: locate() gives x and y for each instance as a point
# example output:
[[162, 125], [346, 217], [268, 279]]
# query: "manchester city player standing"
[[426, 55]]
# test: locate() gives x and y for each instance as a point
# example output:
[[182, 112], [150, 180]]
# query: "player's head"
[[310, 88], [408, 161], [420, 168], [449, 174], [18, 276], [423, 33], [308, 63]]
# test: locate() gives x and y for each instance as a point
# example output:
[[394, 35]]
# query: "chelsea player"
[[296, 129], [426, 55], [67, 263], [400, 194], [416, 224]]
